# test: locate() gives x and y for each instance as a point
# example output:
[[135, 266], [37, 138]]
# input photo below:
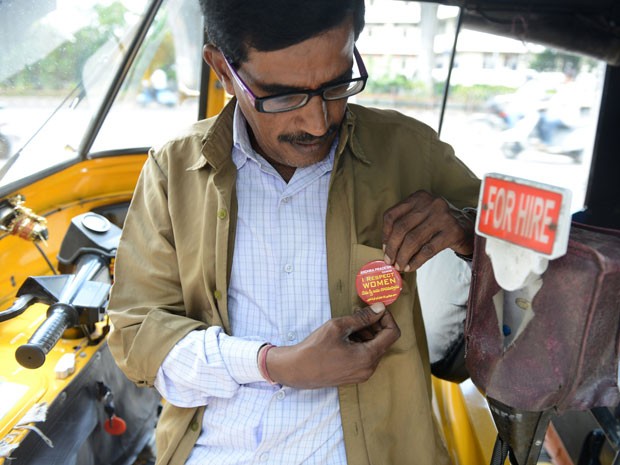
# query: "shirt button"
[[222, 213], [280, 395], [288, 268], [264, 457], [286, 200], [291, 336]]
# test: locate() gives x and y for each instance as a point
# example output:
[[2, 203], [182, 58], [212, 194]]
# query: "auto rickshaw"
[[73, 81]]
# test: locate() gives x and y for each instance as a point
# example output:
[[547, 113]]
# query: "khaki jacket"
[[174, 261]]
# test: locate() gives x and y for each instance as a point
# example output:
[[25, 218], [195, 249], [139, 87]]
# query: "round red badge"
[[378, 282]]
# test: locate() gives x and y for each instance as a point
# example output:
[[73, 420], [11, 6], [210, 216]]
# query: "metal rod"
[[446, 89], [117, 82]]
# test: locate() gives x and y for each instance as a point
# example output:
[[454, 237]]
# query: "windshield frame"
[[92, 129]]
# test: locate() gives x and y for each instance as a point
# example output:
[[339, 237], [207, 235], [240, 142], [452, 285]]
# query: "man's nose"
[[314, 115]]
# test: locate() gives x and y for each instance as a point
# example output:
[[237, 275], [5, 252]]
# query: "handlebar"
[[59, 317], [76, 299]]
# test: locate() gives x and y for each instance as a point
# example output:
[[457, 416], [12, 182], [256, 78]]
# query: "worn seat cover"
[[566, 358]]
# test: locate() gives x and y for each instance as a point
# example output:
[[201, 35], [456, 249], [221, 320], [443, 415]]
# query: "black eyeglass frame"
[[260, 101]]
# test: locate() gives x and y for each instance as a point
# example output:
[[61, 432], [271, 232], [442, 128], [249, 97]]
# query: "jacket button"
[[194, 426], [222, 214], [217, 294]]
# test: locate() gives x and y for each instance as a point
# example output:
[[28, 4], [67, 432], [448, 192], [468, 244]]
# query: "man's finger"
[[412, 243], [401, 219], [366, 333], [426, 252], [388, 335], [391, 216], [363, 317]]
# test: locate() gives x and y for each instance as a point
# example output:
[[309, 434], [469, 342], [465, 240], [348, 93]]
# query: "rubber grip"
[[59, 318]]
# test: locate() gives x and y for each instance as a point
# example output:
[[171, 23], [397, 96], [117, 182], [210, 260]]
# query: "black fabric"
[[520, 433], [452, 367], [75, 420], [500, 452]]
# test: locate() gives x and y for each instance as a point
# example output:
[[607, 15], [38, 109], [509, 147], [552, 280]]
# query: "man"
[[234, 292]]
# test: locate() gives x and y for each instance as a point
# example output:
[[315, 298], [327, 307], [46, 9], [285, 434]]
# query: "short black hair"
[[234, 26]]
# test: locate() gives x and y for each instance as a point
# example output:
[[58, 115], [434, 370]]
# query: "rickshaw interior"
[[87, 87]]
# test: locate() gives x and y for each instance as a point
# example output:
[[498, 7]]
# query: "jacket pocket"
[[402, 309]]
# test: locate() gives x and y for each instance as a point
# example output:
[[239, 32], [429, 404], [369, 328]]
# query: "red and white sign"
[[532, 215]]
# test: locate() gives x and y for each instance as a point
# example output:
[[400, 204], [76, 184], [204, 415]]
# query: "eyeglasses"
[[288, 101]]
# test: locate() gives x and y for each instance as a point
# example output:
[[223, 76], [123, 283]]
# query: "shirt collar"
[[242, 147]]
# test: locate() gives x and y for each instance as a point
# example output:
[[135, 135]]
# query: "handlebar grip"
[[59, 318]]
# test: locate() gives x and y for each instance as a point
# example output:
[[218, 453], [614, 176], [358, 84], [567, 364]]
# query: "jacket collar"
[[349, 137], [218, 139]]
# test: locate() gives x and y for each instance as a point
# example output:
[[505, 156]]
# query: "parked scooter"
[[156, 90]]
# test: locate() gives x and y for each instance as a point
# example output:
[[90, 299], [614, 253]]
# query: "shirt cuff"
[[241, 358]]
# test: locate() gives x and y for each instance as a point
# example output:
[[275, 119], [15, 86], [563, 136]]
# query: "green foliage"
[[398, 84], [553, 60], [478, 93], [416, 92], [61, 69]]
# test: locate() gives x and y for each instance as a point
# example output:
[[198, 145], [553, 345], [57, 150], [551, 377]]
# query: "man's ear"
[[216, 61]]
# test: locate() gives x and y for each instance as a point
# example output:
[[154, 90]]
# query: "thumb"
[[365, 317]]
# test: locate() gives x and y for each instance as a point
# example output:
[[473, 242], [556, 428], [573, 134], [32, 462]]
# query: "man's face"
[[303, 136]]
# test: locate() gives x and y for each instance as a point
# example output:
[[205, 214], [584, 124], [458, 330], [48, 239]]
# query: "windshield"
[[57, 60], [517, 108]]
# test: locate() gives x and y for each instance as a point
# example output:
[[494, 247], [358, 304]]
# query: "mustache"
[[304, 137]]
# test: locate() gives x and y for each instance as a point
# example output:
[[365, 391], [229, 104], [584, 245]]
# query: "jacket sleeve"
[[146, 303], [450, 177]]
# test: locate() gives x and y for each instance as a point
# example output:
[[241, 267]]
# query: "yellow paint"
[[217, 97], [41, 384], [60, 197], [465, 420]]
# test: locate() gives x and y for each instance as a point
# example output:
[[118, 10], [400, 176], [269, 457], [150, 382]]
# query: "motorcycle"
[[527, 134]]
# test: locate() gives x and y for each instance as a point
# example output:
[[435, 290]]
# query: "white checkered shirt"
[[278, 294]]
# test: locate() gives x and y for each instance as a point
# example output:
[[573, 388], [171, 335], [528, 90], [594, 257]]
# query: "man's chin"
[[309, 153]]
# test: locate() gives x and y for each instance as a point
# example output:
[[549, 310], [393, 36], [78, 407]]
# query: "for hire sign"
[[532, 215]]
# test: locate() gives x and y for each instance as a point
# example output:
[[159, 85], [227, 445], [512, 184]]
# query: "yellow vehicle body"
[[29, 387], [59, 197]]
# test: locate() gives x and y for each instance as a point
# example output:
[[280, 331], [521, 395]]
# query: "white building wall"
[[392, 44]]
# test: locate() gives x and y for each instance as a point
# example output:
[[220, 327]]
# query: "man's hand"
[[421, 226], [335, 354]]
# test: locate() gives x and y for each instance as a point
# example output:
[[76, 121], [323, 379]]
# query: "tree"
[[553, 60], [61, 69]]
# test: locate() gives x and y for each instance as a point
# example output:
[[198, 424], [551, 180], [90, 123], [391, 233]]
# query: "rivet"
[[523, 304]]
